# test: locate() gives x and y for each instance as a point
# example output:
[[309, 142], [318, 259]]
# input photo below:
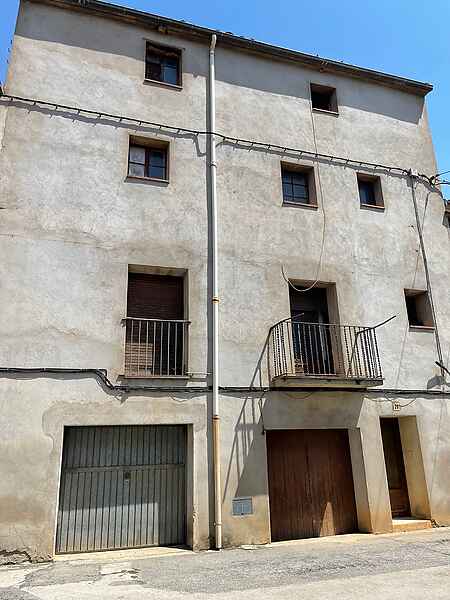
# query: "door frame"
[[411, 445]]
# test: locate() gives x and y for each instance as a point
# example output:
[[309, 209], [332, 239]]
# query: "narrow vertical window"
[[156, 330]]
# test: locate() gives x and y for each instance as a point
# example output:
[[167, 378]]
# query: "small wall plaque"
[[242, 507]]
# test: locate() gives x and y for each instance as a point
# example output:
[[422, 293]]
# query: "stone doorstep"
[[125, 554], [400, 524]]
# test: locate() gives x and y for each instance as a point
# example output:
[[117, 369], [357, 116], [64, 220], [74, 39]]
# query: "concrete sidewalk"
[[411, 566]]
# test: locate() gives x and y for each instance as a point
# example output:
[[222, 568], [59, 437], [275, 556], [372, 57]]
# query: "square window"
[[418, 307], [323, 98], [298, 185], [163, 64], [370, 191], [148, 159]]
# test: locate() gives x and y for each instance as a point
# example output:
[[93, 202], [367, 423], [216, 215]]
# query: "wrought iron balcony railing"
[[324, 351], [155, 348]]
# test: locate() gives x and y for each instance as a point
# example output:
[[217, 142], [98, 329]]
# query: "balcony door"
[[311, 336], [156, 332]]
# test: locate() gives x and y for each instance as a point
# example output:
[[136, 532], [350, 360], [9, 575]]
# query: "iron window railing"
[[323, 350], [155, 347]]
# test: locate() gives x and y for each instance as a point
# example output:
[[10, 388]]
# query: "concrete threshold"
[[403, 524], [129, 554], [326, 539]]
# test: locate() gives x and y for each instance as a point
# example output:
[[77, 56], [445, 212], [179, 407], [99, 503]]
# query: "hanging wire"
[[324, 214], [252, 144]]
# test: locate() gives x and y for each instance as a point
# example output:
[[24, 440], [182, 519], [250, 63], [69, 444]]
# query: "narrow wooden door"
[[395, 467], [311, 491]]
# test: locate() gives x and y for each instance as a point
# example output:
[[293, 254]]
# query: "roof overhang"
[[185, 29]]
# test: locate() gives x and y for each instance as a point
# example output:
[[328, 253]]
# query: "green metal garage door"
[[122, 487]]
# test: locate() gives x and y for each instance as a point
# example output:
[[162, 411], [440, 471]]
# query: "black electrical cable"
[[249, 144], [101, 374]]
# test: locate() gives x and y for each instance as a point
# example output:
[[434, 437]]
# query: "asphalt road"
[[406, 566]]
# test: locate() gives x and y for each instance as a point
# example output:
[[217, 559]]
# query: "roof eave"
[[195, 31]]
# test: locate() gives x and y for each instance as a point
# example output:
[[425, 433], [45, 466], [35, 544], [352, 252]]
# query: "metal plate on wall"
[[242, 506]]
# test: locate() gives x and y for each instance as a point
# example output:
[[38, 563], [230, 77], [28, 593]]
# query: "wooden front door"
[[311, 490], [395, 468]]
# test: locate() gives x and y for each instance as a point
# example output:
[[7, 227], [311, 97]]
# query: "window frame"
[[149, 144], [321, 89], [181, 273], [426, 323], [375, 180], [164, 49], [309, 173]]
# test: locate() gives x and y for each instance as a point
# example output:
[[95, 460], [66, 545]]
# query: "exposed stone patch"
[[14, 557]]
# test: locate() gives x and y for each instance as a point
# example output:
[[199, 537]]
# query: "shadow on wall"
[[289, 79], [48, 24], [279, 410], [247, 448], [232, 67]]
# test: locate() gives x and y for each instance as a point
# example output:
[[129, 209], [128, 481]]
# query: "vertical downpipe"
[[215, 302]]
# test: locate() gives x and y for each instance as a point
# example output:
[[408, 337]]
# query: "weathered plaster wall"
[[244, 459], [72, 224], [34, 413]]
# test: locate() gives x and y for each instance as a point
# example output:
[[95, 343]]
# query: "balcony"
[[320, 354], [155, 347]]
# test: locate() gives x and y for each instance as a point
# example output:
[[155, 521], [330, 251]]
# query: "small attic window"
[[323, 98]]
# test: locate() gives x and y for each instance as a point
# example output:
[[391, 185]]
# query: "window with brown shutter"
[[156, 331]]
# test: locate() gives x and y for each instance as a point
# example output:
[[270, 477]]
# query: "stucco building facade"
[[106, 225]]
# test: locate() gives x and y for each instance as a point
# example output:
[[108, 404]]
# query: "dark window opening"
[[323, 97], [418, 308], [163, 64], [298, 187], [370, 191], [312, 336], [367, 193], [147, 161]]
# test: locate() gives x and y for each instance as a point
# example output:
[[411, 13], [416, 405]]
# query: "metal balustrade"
[[322, 350], [155, 347]]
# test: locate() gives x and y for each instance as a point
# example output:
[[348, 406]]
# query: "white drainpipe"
[[215, 303]]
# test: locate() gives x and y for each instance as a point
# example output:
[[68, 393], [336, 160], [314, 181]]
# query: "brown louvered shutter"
[[155, 339], [155, 296]]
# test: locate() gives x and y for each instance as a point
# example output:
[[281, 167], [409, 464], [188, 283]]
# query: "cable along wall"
[[431, 182]]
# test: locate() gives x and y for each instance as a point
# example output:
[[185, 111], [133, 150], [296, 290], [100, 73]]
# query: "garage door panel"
[[124, 488], [311, 490]]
